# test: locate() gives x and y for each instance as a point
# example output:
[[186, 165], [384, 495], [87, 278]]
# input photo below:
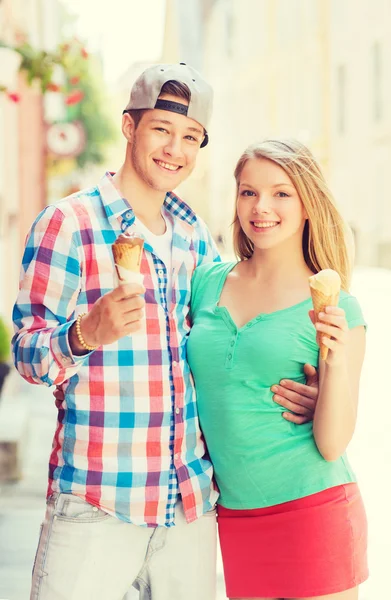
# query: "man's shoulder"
[[179, 209], [75, 208], [70, 214], [78, 201]]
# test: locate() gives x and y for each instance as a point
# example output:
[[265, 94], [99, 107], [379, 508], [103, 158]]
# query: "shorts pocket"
[[76, 510], [39, 541], [211, 512]]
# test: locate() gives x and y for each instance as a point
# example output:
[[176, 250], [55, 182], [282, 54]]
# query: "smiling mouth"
[[264, 225], [167, 166]]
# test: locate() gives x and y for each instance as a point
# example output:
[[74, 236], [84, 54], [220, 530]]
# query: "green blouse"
[[260, 459]]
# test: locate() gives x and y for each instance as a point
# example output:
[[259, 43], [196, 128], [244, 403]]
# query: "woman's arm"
[[339, 377]]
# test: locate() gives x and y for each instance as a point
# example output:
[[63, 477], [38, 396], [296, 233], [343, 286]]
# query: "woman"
[[291, 520]]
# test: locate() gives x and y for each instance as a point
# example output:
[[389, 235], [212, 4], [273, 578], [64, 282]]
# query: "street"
[[22, 503]]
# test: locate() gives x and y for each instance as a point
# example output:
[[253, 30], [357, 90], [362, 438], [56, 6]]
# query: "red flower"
[[53, 87], [84, 53], [13, 97], [74, 98], [74, 80], [20, 38]]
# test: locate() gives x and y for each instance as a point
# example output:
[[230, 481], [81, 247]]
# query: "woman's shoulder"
[[352, 308], [212, 269], [346, 298], [207, 277]]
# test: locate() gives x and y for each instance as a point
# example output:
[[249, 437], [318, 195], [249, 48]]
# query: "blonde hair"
[[324, 243]]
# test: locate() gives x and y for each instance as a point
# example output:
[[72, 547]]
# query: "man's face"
[[164, 147]]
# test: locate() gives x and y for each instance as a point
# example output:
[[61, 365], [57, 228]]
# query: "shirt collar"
[[116, 206]]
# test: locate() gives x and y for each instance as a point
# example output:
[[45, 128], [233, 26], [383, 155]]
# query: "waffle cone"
[[320, 301], [128, 255]]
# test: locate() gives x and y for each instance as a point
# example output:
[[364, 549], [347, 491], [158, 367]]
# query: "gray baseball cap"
[[146, 90]]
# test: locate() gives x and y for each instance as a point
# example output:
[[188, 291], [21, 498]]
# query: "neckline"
[[149, 234], [225, 313]]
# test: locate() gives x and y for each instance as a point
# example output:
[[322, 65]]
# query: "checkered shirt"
[[127, 438]]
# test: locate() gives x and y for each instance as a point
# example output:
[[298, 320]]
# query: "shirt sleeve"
[[206, 246], [195, 283], [353, 312], [45, 306], [201, 278]]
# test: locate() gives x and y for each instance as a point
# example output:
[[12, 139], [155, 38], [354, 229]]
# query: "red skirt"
[[308, 547]]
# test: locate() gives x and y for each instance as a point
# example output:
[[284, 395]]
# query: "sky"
[[123, 31]]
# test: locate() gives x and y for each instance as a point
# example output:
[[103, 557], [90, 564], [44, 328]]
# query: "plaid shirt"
[[127, 438]]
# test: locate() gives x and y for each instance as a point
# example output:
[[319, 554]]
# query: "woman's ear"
[[128, 127]]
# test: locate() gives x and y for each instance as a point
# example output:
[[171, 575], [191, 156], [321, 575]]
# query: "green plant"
[[82, 88], [39, 65], [5, 340], [93, 110]]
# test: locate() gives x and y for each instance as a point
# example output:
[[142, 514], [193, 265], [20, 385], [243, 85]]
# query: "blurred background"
[[316, 70]]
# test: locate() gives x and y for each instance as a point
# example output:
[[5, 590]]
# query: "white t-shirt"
[[162, 246]]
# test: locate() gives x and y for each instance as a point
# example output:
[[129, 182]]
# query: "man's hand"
[[299, 398], [114, 315]]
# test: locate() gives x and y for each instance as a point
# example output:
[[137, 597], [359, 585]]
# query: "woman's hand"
[[333, 323]]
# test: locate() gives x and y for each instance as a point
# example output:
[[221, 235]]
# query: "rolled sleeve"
[[61, 349]]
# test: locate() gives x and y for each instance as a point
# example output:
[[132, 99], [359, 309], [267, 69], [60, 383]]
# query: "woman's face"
[[268, 206]]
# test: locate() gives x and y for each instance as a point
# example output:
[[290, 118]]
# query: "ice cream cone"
[[325, 287], [127, 252]]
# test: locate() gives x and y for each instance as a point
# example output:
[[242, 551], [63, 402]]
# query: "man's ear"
[[128, 127]]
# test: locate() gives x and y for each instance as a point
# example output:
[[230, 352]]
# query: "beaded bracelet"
[[79, 334]]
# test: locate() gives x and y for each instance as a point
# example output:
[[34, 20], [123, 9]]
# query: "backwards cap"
[[146, 90]]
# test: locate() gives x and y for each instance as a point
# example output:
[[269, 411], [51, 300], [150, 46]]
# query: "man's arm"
[[48, 291], [205, 244], [46, 347], [299, 398]]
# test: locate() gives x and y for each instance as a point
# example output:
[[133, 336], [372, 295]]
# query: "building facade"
[[315, 70], [360, 124]]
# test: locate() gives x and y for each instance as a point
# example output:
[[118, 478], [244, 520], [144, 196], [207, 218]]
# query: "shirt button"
[[177, 410], [160, 272], [174, 363], [233, 343], [176, 456], [128, 215], [259, 318], [229, 356], [95, 508]]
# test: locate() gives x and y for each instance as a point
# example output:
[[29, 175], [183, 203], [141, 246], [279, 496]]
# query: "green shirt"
[[260, 459]]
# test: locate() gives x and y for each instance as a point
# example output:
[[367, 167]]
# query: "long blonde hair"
[[324, 235]]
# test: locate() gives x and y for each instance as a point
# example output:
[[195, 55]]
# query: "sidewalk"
[[22, 503]]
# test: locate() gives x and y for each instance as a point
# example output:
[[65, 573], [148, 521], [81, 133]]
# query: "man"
[[128, 459]]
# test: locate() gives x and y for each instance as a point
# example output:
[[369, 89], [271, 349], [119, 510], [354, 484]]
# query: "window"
[[377, 82], [341, 99], [229, 28]]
